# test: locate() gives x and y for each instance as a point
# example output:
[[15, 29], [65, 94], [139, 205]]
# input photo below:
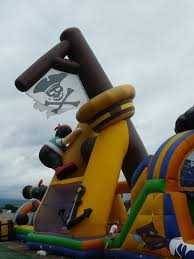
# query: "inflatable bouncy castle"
[[82, 213]]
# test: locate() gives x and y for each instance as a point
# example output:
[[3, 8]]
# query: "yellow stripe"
[[99, 120], [127, 105], [67, 181], [24, 227], [139, 185], [108, 115], [156, 173]]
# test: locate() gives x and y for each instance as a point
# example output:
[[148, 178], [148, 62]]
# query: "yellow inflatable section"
[[103, 119], [101, 174]]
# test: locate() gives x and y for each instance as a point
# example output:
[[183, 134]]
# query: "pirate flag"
[[57, 92]]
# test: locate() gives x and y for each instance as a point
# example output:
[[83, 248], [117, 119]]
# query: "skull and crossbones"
[[57, 96], [56, 92]]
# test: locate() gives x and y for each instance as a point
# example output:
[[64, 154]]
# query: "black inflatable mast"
[[73, 55]]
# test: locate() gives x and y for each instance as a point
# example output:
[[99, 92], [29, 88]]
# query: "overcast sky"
[[149, 44]]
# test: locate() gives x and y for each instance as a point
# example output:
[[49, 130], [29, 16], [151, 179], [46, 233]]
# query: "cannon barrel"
[[30, 192]]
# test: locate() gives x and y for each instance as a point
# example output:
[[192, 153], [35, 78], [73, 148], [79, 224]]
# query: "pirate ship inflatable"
[[84, 198]]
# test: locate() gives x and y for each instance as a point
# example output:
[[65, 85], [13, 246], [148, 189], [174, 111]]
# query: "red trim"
[[63, 167]]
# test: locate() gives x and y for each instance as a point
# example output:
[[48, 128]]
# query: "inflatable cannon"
[[34, 195], [37, 192]]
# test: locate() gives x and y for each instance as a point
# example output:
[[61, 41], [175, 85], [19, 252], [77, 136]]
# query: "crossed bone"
[[69, 91]]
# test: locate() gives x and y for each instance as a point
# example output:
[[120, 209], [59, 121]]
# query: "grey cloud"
[[149, 44]]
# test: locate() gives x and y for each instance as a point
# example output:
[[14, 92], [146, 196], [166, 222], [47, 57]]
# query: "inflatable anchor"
[[75, 221], [71, 220]]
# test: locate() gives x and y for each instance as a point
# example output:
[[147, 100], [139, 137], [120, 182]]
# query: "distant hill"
[[15, 202]]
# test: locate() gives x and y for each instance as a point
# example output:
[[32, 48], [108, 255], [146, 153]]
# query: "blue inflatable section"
[[21, 237], [89, 254], [183, 252], [139, 170], [127, 255], [66, 251]]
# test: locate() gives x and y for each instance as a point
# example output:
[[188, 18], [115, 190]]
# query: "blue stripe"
[[91, 253], [171, 228], [169, 153], [155, 158], [21, 237], [120, 254], [139, 170], [66, 251]]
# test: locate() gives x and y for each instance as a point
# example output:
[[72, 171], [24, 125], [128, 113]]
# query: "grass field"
[[9, 253], [17, 249]]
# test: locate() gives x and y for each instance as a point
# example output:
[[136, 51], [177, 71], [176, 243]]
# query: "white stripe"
[[55, 148], [59, 142]]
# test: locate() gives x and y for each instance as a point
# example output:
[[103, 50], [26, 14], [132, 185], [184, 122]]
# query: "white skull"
[[55, 92]]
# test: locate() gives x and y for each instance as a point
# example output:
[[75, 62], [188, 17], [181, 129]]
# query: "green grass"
[[11, 254]]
